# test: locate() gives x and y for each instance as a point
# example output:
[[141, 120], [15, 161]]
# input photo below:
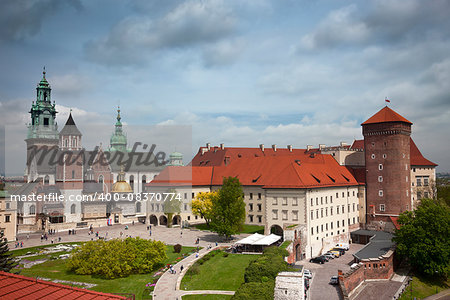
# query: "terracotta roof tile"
[[386, 115], [16, 286], [417, 158]]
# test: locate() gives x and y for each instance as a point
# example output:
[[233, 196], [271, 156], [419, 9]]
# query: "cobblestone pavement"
[[167, 235]]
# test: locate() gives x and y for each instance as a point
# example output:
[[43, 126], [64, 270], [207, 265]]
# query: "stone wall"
[[289, 286]]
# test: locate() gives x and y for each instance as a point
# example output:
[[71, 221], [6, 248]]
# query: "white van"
[[344, 246]]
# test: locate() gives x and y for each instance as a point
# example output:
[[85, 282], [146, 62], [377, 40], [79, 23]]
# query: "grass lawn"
[[219, 273], [133, 284], [285, 244], [22, 251], [207, 297], [423, 287], [245, 228]]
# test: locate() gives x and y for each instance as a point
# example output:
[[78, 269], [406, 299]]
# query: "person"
[[150, 233], [21, 244], [216, 244], [181, 268], [181, 233], [59, 239]]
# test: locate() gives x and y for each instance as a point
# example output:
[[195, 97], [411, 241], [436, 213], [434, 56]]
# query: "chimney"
[[227, 160], [308, 147], [261, 146], [289, 148], [321, 146], [204, 150], [222, 146], [343, 144], [208, 145], [274, 147]]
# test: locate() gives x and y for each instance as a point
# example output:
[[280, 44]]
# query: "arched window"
[[100, 179], [132, 182], [74, 142], [33, 209], [72, 209], [117, 178], [144, 179], [46, 179], [66, 143], [138, 207]]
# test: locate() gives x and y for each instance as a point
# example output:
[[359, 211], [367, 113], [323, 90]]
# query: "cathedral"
[[68, 186]]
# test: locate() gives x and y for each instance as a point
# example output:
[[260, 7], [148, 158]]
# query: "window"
[[101, 179], [384, 156], [74, 143], [321, 228], [46, 123], [425, 181], [284, 200], [353, 220], [144, 180], [139, 207], [46, 179], [259, 219], [337, 209], [331, 199], [317, 213], [321, 200], [185, 207], [250, 207], [72, 209], [7, 218], [326, 200], [73, 174], [326, 227], [312, 230], [343, 209], [259, 207], [337, 223], [380, 167], [406, 178], [8, 205], [185, 195], [132, 182], [331, 210], [337, 195], [259, 196], [380, 178], [251, 196], [343, 194], [33, 209], [295, 201], [250, 218], [317, 201], [382, 207], [380, 193], [275, 201], [331, 226], [312, 202], [353, 193], [193, 195], [321, 212], [353, 207], [326, 211], [285, 214], [274, 214], [294, 215], [373, 156], [426, 195], [312, 215]]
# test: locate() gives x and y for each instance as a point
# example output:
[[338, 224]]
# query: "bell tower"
[[42, 131]]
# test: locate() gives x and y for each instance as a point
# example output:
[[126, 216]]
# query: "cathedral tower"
[[42, 133], [118, 141], [387, 156]]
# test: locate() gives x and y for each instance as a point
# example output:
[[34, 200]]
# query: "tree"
[[172, 205], [202, 205], [423, 237], [228, 210], [6, 261]]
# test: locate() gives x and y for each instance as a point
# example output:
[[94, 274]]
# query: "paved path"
[[441, 296], [168, 285]]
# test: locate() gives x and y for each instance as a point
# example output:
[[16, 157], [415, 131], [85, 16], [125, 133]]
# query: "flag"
[[387, 100]]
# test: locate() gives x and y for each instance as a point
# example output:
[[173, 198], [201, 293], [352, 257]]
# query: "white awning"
[[259, 239], [268, 240], [250, 239]]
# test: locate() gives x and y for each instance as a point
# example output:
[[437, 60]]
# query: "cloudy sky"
[[240, 72]]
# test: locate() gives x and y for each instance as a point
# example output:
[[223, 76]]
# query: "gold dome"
[[121, 187]]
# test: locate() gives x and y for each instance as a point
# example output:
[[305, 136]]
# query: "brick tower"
[[387, 156]]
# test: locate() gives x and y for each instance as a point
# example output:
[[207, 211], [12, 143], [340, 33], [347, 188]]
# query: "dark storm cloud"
[[20, 19], [136, 38]]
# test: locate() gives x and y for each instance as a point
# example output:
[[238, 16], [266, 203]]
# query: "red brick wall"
[[349, 281], [389, 143], [381, 269]]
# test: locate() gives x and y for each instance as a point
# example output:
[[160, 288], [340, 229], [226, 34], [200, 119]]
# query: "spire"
[[118, 116], [70, 120]]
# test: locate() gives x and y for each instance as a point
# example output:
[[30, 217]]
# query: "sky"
[[238, 72]]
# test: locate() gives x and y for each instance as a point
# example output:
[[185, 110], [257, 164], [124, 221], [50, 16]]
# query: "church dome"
[[121, 187], [176, 155]]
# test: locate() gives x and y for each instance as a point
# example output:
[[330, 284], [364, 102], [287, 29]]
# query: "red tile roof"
[[359, 174], [386, 115], [417, 158], [20, 287], [357, 144], [394, 221], [253, 167]]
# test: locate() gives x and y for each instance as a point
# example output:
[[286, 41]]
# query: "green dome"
[[176, 155], [118, 139]]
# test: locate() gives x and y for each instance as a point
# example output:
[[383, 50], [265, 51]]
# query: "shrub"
[[264, 268], [255, 290], [177, 248], [276, 251], [116, 258]]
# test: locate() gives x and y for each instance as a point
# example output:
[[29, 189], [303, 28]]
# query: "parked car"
[[326, 258], [344, 246], [307, 273], [334, 280], [318, 260], [329, 255], [335, 253], [341, 251]]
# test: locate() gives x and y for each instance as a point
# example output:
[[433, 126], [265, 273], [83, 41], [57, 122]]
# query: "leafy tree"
[[202, 205], [228, 211], [6, 261], [172, 205], [424, 237], [265, 268], [117, 258]]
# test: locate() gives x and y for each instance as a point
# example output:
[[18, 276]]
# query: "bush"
[[177, 248], [265, 268], [255, 290], [276, 251], [116, 258]]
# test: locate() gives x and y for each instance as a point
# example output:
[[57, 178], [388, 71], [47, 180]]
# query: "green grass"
[[133, 284], [245, 228], [36, 249], [207, 297], [423, 287], [219, 273]]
